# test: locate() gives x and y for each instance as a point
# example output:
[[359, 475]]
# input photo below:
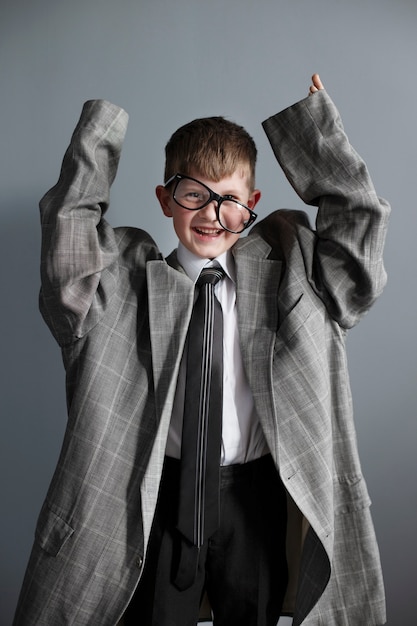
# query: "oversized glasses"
[[191, 194]]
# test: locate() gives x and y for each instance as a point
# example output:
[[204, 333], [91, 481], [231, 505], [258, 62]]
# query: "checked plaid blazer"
[[120, 313]]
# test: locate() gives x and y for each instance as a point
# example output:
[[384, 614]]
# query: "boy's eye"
[[194, 194], [193, 197], [191, 194]]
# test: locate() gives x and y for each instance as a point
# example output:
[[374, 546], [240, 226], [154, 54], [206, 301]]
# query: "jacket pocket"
[[350, 494], [52, 532]]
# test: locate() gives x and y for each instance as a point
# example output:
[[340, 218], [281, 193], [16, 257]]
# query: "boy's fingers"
[[317, 84]]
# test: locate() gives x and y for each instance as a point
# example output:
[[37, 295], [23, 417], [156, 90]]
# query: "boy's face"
[[199, 231]]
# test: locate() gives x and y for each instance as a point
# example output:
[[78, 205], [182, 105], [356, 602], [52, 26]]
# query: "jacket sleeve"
[[79, 268], [343, 256]]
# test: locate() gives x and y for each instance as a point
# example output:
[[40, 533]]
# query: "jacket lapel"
[[258, 279], [171, 295]]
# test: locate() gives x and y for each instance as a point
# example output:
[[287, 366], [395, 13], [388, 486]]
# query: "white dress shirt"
[[242, 436]]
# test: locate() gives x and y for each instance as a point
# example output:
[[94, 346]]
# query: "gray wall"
[[166, 63]]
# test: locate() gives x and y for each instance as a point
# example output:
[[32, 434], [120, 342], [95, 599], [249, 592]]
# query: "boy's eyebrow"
[[233, 192], [230, 191]]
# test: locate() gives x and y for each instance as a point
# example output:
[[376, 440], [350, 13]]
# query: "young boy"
[[294, 510]]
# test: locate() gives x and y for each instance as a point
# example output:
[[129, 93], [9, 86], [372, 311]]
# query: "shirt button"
[[139, 562]]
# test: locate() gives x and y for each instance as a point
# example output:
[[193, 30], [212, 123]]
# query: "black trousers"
[[242, 567]]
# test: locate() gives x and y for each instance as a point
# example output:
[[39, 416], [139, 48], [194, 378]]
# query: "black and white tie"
[[198, 514]]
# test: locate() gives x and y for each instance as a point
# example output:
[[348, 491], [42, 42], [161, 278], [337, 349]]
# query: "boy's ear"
[[164, 198], [254, 198]]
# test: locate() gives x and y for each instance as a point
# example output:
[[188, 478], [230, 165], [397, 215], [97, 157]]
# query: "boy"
[[294, 509]]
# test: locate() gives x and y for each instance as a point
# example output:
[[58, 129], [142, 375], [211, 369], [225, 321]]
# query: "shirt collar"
[[193, 264]]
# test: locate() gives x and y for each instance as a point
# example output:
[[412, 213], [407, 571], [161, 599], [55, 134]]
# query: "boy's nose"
[[209, 211]]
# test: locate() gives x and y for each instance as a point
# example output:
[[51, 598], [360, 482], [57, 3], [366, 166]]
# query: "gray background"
[[166, 63]]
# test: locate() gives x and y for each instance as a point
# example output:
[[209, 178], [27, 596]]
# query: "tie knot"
[[210, 275]]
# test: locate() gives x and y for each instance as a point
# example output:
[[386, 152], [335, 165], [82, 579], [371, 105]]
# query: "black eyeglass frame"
[[177, 178]]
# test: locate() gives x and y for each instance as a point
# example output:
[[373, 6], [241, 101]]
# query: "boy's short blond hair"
[[212, 147]]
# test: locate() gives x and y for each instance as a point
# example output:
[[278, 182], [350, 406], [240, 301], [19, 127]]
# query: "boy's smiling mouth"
[[208, 232]]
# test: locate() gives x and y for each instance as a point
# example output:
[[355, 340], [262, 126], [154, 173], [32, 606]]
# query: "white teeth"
[[206, 231]]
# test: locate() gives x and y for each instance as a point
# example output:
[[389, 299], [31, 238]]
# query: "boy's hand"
[[317, 84]]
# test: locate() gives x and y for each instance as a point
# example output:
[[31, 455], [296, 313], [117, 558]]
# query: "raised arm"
[[79, 251], [343, 256]]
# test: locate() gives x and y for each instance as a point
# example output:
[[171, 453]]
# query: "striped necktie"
[[198, 514]]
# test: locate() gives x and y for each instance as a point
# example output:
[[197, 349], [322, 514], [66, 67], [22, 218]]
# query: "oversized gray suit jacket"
[[120, 313]]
